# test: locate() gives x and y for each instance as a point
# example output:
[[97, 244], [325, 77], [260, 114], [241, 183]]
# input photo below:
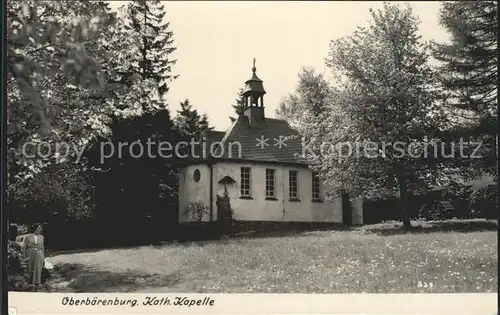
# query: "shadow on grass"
[[383, 229], [260, 234], [287, 233], [85, 279], [460, 226], [55, 252]]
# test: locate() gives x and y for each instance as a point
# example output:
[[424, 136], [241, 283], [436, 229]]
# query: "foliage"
[[310, 99], [73, 101], [59, 192], [239, 105], [16, 229], [385, 102], [196, 211], [470, 60], [126, 179], [51, 68], [17, 268], [435, 210], [484, 202], [104, 51], [468, 75], [43, 37]]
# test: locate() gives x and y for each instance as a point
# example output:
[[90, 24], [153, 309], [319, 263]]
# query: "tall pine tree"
[[189, 122], [141, 185], [154, 42], [469, 74], [138, 185]]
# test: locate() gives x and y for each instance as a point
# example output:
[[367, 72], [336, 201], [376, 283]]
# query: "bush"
[[437, 210], [196, 211], [16, 229], [17, 268], [484, 202]]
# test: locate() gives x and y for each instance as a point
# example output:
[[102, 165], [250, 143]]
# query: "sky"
[[217, 40]]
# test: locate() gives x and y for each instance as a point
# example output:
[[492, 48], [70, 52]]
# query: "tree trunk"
[[403, 198]]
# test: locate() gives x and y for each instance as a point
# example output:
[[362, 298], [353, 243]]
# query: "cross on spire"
[[254, 69]]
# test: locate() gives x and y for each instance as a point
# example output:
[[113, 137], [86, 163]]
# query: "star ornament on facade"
[[262, 142], [280, 142]]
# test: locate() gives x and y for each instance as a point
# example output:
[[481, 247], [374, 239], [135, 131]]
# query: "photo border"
[[3, 168], [457, 300]]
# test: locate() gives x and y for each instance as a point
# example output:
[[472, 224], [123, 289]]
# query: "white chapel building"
[[258, 168]]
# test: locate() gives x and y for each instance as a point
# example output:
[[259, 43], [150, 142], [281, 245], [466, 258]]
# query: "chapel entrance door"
[[224, 214]]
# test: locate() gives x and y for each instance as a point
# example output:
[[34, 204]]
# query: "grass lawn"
[[315, 262]]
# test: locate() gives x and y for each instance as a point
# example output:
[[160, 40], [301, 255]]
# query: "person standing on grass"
[[34, 252]]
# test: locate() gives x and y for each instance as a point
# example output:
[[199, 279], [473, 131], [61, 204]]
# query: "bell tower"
[[253, 96]]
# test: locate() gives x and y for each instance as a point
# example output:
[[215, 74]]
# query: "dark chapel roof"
[[261, 140], [268, 140], [271, 140]]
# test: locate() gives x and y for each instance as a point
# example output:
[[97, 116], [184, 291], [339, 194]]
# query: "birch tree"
[[385, 102], [311, 95]]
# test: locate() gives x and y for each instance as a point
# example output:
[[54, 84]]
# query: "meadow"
[[354, 261]]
